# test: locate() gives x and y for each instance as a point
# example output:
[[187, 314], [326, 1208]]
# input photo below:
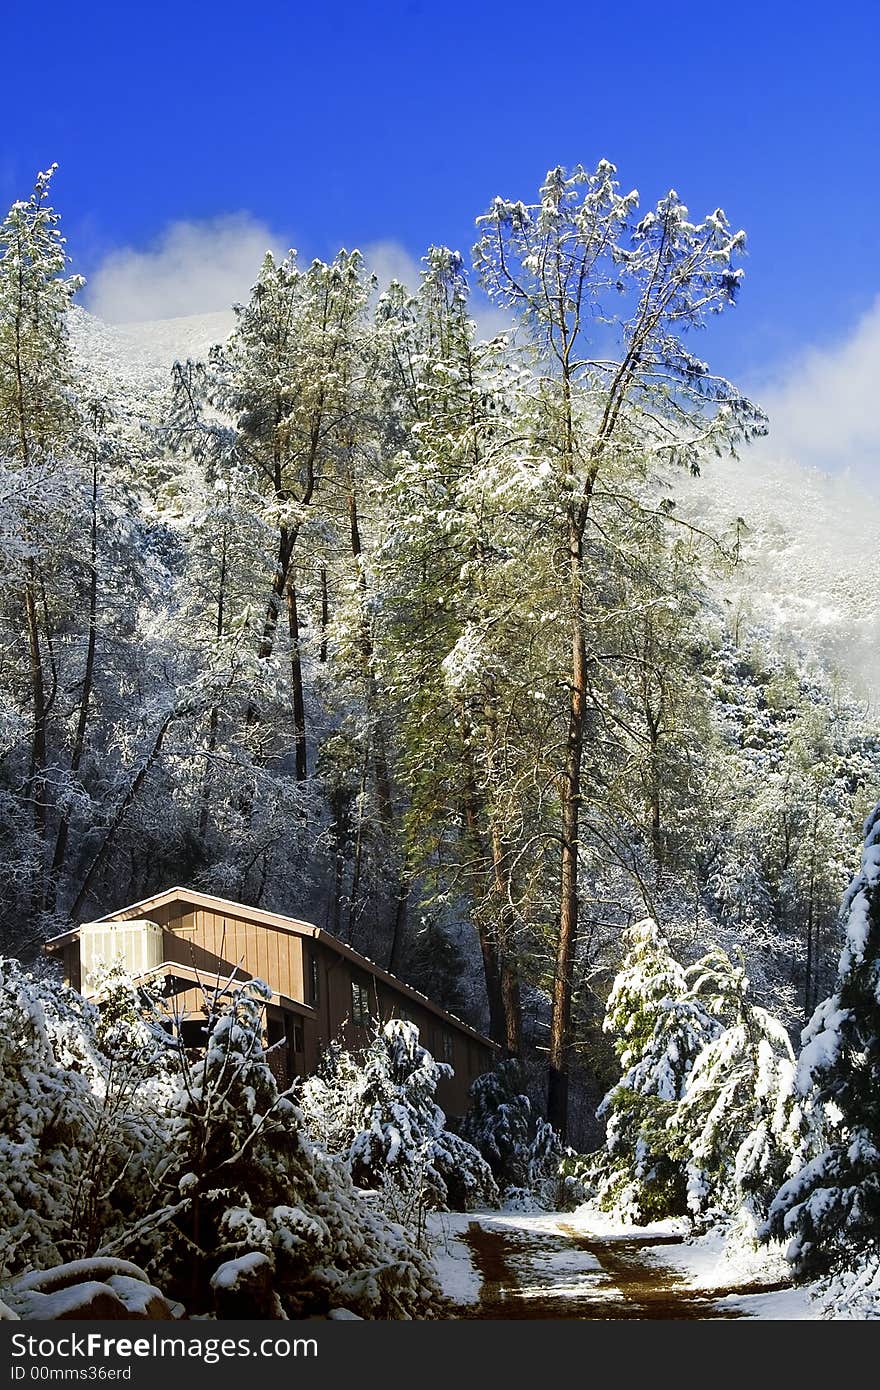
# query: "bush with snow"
[[78, 1125], [197, 1168], [521, 1147], [240, 1178], [829, 1210], [378, 1111]]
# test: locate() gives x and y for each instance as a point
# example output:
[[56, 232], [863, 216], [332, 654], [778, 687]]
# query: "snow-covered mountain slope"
[[810, 544], [139, 356], [810, 555]]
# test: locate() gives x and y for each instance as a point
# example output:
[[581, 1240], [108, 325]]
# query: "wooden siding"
[[273, 956], [468, 1056]]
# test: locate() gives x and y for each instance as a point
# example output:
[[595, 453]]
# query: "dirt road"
[[552, 1268]]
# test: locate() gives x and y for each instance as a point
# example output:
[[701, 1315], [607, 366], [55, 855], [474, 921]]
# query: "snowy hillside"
[[810, 550], [139, 356]]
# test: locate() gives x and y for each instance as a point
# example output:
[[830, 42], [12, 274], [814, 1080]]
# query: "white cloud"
[[388, 261], [193, 268], [823, 407], [197, 268]]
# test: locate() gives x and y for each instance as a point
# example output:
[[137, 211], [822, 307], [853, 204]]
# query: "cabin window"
[[193, 1033], [445, 1047], [294, 1030], [314, 979], [360, 1003]]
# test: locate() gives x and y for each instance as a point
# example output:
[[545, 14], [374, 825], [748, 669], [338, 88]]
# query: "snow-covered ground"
[[583, 1265]]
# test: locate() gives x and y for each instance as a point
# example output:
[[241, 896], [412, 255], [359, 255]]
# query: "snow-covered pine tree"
[[735, 1126], [829, 1211], [520, 1146], [454, 551], [559, 264], [659, 1028], [380, 1113]]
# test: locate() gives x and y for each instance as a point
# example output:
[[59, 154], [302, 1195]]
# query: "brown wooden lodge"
[[322, 990]]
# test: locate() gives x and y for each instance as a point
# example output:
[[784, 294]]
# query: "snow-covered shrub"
[[379, 1113], [77, 1126], [659, 1029], [240, 1179], [114, 1142], [829, 1211], [736, 1124], [522, 1149]]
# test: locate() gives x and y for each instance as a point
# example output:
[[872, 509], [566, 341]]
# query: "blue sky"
[[391, 121]]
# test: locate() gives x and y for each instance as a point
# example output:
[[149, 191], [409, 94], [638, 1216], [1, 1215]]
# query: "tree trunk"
[[338, 865], [296, 681], [39, 738], [509, 975], [384, 796], [811, 912], [401, 910], [357, 866], [563, 982], [325, 614], [79, 738], [286, 543], [214, 719], [486, 930]]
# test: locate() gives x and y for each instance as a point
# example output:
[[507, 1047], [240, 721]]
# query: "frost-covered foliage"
[[240, 1178], [789, 772], [737, 1123], [287, 622], [659, 1029], [379, 1112], [114, 1142], [703, 1119], [78, 1125], [522, 1149], [829, 1210]]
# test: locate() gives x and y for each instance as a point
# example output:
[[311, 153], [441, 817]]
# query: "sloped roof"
[[275, 921]]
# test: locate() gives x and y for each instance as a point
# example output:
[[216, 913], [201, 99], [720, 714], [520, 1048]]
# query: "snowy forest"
[[427, 638]]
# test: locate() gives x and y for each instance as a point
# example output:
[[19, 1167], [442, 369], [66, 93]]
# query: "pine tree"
[[453, 554], [38, 423], [660, 1029], [736, 1125], [381, 1114], [558, 264], [829, 1211]]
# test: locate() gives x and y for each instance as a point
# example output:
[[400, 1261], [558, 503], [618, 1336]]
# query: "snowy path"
[[564, 1265]]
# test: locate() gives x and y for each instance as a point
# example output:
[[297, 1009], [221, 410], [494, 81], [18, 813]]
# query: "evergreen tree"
[[660, 1028], [736, 1125], [829, 1211], [380, 1113], [38, 426], [558, 264]]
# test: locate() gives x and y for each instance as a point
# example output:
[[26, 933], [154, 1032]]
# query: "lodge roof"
[[275, 921]]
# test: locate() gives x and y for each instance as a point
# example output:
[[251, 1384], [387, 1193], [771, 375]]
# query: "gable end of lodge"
[[321, 989]]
